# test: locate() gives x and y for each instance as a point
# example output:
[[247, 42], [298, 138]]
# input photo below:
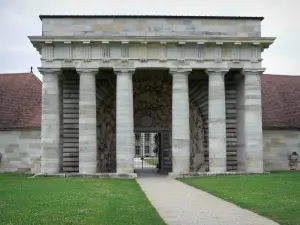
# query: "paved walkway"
[[181, 204]]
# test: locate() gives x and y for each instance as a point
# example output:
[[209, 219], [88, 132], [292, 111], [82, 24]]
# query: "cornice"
[[253, 71], [87, 71], [49, 71], [216, 71], [122, 71], [264, 42]]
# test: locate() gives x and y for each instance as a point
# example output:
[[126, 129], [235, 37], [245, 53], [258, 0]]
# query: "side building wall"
[[20, 150], [277, 145]]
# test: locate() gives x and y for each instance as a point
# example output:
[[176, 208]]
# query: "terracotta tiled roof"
[[20, 101], [281, 101]]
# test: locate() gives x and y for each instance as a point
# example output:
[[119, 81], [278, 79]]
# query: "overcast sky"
[[19, 19]]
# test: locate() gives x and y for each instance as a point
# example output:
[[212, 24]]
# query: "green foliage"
[[73, 201], [152, 161], [276, 196], [156, 141]]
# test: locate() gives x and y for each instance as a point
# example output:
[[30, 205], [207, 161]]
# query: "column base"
[[95, 175], [205, 174]]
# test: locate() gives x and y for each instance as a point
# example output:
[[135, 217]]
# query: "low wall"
[[277, 145], [20, 150]]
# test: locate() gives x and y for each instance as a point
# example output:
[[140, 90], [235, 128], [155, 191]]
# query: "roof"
[[20, 101], [280, 102], [154, 16]]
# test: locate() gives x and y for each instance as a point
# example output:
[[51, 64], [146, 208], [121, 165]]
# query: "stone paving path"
[[181, 204]]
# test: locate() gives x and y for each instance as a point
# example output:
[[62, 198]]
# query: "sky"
[[20, 19]]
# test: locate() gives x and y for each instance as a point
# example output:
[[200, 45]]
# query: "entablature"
[[136, 50]]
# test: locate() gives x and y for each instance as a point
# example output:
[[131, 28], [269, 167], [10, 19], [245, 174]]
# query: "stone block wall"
[[20, 150], [231, 123], [198, 94], [277, 145], [69, 92], [151, 27], [199, 101], [106, 124]]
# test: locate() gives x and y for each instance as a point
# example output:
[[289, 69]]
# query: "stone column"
[[124, 127], [50, 133], [216, 120], [180, 122], [253, 136], [240, 119], [87, 121]]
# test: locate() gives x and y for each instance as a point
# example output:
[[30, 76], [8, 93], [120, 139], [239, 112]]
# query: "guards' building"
[[195, 80]]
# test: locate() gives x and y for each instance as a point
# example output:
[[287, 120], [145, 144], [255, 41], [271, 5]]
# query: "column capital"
[[87, 71], [121, 71], [176, 71], [252, 71], [216, 71], [49, 71]]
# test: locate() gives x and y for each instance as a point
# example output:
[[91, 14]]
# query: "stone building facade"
[[195, 80]]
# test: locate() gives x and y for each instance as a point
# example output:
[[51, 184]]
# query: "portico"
[[96, 69]]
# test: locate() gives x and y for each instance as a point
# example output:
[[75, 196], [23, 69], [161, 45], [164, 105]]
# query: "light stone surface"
[[277, 146], [87, 122], [20, 150], [179, 204], [217, 121], [50, 143], [150, 27], [253, 122], [124, 122], [180, 122]]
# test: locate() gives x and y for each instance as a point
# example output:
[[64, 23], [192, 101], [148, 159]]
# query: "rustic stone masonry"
[[106, 124], [70, 121], [198, 108], [153, 107]]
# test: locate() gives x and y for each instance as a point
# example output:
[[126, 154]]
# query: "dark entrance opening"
[[147, 151]]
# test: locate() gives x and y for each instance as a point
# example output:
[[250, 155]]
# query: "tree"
[[156, 143]]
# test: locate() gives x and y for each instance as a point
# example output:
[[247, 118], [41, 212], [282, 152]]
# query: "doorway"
[[147, 151]]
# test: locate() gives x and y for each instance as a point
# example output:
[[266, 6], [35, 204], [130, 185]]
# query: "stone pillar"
[[87, 121], [50, 133], [240, 119], [216, 120], [180, 122], [253, 136], [124, 127]]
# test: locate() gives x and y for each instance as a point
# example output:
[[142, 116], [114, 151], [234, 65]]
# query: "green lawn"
[[276, 196], [73, 201], [151, 161]]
